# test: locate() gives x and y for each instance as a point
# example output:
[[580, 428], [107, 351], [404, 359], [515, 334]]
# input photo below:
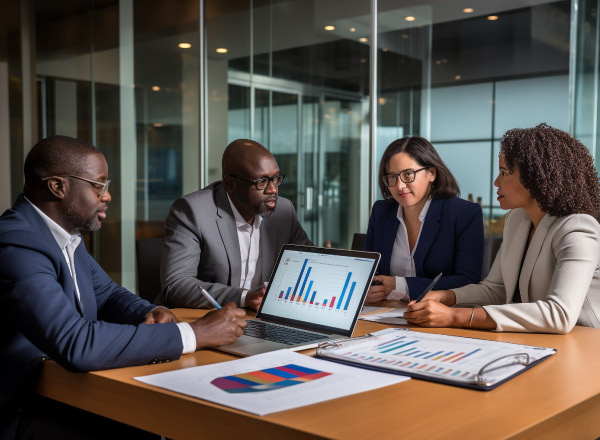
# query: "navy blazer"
[[451, 242], [41, 315]]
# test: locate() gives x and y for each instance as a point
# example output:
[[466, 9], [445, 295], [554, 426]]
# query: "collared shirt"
[[249, 240], [402, 263], [65, 239]]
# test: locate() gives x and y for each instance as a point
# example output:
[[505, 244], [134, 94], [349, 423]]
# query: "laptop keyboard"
[[280, 333]]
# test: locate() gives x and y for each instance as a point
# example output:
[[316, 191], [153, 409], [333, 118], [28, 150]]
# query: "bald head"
[[56, 156], [242, 156]]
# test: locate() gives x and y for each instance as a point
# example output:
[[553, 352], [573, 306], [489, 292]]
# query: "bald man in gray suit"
[[226, 237]]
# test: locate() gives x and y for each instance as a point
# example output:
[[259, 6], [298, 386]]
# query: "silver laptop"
[[314, 295]]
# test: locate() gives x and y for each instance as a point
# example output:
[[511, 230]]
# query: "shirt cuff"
[[188, 338], [243, 299], [401, 291]]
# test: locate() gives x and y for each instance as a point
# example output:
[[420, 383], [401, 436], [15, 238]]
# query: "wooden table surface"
[[559, 398]]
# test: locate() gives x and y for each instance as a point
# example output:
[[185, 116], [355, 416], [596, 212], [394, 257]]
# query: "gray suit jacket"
[[202, 248], [559, 281]]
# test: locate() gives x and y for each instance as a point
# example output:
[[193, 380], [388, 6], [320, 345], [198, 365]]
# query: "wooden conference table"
[[559, 398]]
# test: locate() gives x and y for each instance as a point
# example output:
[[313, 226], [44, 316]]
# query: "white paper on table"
[[343, 380], [384, 315]]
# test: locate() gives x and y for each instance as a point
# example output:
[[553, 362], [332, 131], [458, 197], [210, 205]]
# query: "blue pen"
[[209, 297]]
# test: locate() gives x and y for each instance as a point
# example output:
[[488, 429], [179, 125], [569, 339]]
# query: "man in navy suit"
[[58, 303]]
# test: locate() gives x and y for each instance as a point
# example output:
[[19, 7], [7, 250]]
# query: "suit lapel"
[[533, 252], [513, 257], [390, 229], [429, 232], [228, 232], [87, 302], [265, 253]]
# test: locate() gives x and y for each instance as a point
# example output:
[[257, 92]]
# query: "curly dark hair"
[[556, 168], [422, 152]]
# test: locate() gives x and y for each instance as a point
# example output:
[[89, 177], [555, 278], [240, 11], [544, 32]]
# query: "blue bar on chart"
[[344, 289], [299, 278], [350, 295], [308, 291], [304, 284]]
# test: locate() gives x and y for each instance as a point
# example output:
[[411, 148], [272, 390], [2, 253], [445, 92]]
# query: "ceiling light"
[[352, 29], [492, 17], [184, 45], [384, 49], [468, 10], [156, 88], [410, 18], [158, 124], [382, 101], [221, 50], [363, 39], [329, 28], [457, 77]]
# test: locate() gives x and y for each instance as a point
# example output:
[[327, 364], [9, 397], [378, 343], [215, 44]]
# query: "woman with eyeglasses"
[[546, 276], [421, 228]]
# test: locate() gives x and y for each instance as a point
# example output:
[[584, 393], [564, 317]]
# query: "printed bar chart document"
[[271, 382], [467, 362]]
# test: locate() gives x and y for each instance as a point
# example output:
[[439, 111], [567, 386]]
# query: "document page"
[[449, 358], [384, 315], [271, 382]]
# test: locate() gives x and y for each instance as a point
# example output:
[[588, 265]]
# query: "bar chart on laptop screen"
[[318, 285]]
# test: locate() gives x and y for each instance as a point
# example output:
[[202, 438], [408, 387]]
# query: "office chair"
[[358, 242], [147, 253]]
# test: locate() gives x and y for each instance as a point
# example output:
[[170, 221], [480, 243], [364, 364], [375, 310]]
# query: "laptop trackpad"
[[248, 346]]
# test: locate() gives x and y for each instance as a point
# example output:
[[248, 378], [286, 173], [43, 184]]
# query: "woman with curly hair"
[[546, 276], [422, 228]]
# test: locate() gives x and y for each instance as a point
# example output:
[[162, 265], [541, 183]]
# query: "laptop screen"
[[319, 287]]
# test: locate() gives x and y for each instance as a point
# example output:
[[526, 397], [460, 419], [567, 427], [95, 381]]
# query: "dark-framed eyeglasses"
[[102, 186], [407, 176], [261, 184]]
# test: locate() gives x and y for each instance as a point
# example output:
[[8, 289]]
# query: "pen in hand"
[[435, 280], [209, 297]]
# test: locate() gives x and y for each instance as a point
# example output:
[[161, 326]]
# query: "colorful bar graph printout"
[[268, 379]]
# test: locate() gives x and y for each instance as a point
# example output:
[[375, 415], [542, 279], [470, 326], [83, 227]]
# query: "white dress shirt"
[[66, 240], [249, 240], [402, 262]]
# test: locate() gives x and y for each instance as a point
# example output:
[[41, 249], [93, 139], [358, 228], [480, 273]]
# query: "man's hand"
[[254, 297], [219, 327], [160, 315]]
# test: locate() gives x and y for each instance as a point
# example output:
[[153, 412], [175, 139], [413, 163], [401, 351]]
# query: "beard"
[[265, 212], [92, 223]]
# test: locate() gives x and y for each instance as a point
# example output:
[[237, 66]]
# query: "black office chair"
[[358, 242], [147, 253], [491, 245]]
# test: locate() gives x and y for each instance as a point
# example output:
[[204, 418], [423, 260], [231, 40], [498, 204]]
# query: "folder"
[[454, 360]]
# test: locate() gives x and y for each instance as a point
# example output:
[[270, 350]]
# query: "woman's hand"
[[380, 288], [431, 313]]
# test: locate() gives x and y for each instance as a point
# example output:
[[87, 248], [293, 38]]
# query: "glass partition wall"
[[162, 88]]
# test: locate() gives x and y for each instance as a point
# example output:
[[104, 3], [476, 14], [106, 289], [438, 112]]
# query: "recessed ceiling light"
[[409, 18], [185, 45], [382, 101], [492, 17], [329, 28], [158, 124], [363, 39], [221, 50], [468, 10], [384, 49], [457, 77], [156, 88], [352, 29]]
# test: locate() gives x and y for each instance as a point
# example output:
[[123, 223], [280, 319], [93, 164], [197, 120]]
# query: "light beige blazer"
[[560, 277]]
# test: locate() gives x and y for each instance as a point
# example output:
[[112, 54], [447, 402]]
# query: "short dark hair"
[[56, 155], [421, 151], [556, 169]]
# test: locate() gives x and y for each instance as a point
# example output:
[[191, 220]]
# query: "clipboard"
[[466, 362]]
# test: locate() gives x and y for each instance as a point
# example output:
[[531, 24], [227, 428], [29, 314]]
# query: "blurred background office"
[[161, 87]]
